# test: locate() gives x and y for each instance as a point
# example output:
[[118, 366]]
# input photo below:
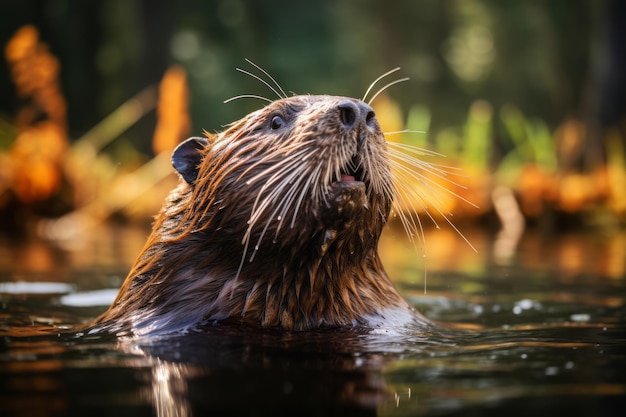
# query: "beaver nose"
[[352, 113]]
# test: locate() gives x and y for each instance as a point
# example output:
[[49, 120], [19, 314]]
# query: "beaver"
[[275, 224]]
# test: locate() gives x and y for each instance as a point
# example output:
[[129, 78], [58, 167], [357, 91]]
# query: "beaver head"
[[275, 224]]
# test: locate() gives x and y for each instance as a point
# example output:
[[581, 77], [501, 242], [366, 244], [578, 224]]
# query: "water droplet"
[[552, 370], [580, 318], [523, 356]]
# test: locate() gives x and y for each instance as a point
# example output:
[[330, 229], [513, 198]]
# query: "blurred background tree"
[[542, 56], [555, 64]]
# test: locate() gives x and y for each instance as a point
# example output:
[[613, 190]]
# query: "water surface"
[[535, 328]]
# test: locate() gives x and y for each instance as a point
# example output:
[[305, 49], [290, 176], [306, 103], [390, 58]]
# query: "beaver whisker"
[[287, 205], [247, 96], [334, 174], [291, 183], [437, 170], [284, 95], [303, 192], [373, 171], [280, 167], [280, 95], [406, 171], [287, 197], [277, 176], [432, 191], [354, 168], [414, 195], [377, 80], [400, 132], [259, 206], [447, 220], [411, 221], [331, 174], [321, 178], [260, 79], [284, 203], [386, 86], [416, 149]]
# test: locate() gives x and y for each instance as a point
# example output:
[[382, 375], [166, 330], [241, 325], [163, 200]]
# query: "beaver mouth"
[[353, 171]]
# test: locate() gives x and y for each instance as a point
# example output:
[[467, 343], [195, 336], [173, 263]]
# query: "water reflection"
[[256, 374], [247, 372], [539, 333], [169, 389]]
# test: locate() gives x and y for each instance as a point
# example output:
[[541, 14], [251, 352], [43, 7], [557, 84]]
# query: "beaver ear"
[[186, 158]]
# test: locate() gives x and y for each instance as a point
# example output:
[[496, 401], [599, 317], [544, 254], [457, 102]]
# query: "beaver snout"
[[353, 114]]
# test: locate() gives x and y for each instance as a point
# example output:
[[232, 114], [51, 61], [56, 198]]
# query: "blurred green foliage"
[[523, 94], [535, 54]]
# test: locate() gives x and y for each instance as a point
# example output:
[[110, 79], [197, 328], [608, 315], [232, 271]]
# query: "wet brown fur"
[[268, 235]]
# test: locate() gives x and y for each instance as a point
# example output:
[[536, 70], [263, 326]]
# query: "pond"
[[534, 327]]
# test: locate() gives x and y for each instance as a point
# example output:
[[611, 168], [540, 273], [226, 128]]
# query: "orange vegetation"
[[33, 167], [35, 72], [42, 169], [173, 118], [39, 173]]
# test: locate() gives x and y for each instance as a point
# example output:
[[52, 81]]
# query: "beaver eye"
[[277, 123]]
